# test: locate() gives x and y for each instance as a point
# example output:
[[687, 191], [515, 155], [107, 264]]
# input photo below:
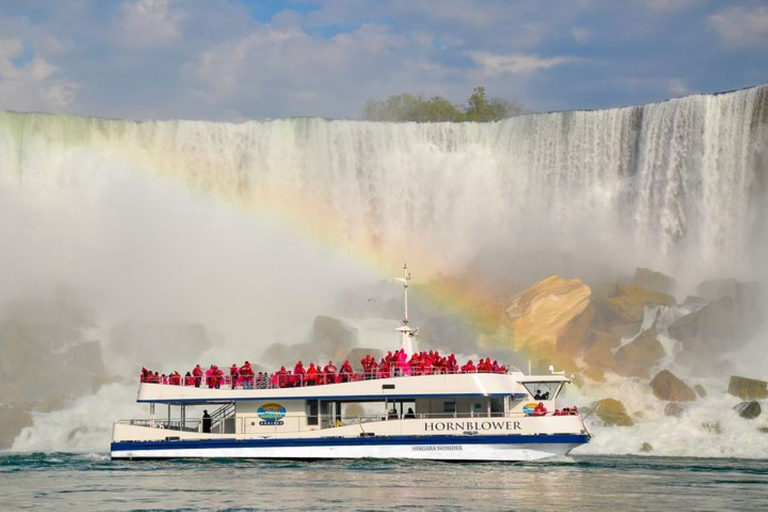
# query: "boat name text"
[[461, 426]]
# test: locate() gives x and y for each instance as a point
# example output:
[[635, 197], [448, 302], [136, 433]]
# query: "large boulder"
[[637, 357], [574, 338], [541, 315], [612, 413], [714, 289], [748, 389], [666, 386], [674, 409], [600, 351], [749, 410], [716, 323], [629, 304], [654, 281], [330, 335]]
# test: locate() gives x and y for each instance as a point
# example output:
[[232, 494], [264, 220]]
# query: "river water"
[[63, 481]]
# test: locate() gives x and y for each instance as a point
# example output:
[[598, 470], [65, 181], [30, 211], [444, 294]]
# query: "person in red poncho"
[[197, 373], [469, 367], [189, 380], [299, 375], [346, 372], [234, 375], [330, 373], [311, 375], [246, 375]]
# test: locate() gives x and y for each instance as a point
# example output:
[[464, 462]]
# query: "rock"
[[541, 314], [714, 289], [575, 335], [724, 324], [748, 410], [330, 334], [694, 302], [713, 427], [357, 354], [594, 373], [646, 448], [666, 386], [600, 351], [625, 330], [749, 304], [764, 430], [654, 281], [629, 305], [612, 413], [638, 356], [699, 389], [748, 389], [674, 409], [13, 418]]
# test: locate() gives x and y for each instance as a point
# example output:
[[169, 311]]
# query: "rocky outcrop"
[[637, 357], [332, 336], [574, 337], [748, 410], [612, 413], [541, 315], [714, 289], [628, 305], [699, 389], [748, 389], [654, 281], [357, 354], [666, 386], [600, 351], [674, 409]]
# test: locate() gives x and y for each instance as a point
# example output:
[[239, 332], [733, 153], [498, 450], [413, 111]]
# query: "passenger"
[[392, 414], [537, 395], [409, 414], [330, 373], [206, 422], [197, 373], [299, 375], [219, 377], [210, 374], [234, 375], [469, 367], [189, 380], [574, 411], [311, 375], [540, 410], [246, 375], [174, 379], [164, 379], [346, 372], [545, 396]]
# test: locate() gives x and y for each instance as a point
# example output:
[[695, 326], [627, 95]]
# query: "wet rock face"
[[666, 386], [541, 315], [638, 356], [674, 409], [612, 413], [654, 281], [748, 410], [330, 333], [748, 389], [629, 303]]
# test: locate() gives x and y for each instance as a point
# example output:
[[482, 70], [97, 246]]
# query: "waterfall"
[[677, 185]]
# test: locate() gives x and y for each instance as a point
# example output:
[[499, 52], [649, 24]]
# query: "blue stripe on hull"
[[568, 439]]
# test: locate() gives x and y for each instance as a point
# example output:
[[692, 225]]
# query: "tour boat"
[[443, 415]]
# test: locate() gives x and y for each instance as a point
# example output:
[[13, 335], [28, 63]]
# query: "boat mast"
[[405, 331]]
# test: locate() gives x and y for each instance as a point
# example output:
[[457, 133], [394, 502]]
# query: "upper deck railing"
[[279, 380]]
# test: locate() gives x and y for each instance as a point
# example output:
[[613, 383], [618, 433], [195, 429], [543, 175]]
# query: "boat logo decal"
[[271, 414], [529, 407]]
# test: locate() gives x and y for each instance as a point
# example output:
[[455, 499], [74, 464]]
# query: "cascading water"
[[132, 210]]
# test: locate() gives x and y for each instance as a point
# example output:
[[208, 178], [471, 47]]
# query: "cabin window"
[[312, 412], [497, 406], [449, 407], [543, 390]]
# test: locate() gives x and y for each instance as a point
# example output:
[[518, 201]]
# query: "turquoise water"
[[92, 482]]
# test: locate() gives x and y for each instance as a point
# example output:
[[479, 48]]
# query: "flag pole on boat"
[[405, 331]]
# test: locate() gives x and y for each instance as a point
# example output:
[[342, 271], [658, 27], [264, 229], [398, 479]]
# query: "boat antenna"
[[406, 332]]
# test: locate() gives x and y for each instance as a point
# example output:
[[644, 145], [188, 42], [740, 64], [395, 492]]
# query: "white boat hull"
[[516, 448]]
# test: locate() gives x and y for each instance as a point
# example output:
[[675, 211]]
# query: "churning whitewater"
[[679, 186]]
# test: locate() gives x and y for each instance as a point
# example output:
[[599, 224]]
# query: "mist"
[[251, 230]]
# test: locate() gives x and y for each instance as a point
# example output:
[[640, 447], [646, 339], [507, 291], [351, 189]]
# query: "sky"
[[234, 60]]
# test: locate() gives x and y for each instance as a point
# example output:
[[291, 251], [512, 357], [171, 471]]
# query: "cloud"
[[739, 26], [30, 82], [516, 64], [147, 23]]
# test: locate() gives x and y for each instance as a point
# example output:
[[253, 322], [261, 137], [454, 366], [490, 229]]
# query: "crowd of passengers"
[[391, 365]]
